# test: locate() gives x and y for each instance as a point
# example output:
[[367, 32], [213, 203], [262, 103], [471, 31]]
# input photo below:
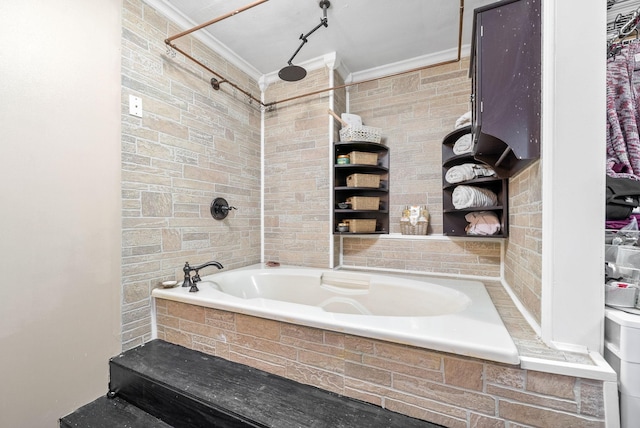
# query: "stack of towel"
[[472, 197], [468, 171], [463, 145], [463, 120], [482, 223]]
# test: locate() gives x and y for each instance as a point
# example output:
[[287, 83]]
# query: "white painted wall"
[[573, 170], [60, 212]]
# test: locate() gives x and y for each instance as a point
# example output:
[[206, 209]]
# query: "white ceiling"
[[365, 35]]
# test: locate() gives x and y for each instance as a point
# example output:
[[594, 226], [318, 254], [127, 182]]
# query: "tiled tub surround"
[[447, 389], [444, 314]]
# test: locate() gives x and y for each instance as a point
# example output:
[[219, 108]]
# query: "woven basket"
[[364, 202], [363, 158], [363, 180], [367, 134], [361, 225], [407, 228]]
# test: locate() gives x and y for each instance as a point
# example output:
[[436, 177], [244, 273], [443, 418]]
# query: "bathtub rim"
[[456, 334]]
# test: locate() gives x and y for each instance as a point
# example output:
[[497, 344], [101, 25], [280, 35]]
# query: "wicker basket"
[[367, 134], [363, 180], [361, 225], [363, 158], [364, 202], [420, 228]]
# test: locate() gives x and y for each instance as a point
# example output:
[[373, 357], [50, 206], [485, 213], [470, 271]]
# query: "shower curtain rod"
[[273, 103]]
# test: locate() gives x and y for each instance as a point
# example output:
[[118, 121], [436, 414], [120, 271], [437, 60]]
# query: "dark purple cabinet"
[[506, 78]]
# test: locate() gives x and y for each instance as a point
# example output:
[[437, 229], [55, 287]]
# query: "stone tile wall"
[[523, 255], [191, 145], [450, 390], [297, 186], [433, 255]]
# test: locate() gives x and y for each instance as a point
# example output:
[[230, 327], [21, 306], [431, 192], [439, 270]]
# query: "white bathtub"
[[447, 315]]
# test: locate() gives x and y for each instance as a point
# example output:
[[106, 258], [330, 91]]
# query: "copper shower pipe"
[[222, 79], [213, 21], [273, 103]]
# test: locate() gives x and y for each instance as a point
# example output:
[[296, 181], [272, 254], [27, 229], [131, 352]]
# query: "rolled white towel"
[[467, 171], [482, 223], [463, 120], [472, 197], [459, 173], [463, 145], [483, 170]]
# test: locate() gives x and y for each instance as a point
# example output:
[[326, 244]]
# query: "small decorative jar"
[[343, 159], [343, 227]]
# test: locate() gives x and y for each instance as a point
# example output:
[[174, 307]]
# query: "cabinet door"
[[507, 83]]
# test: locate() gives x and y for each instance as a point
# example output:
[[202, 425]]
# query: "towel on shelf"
[[463, 145], [482, 223], [472, 197], [467, 171], [463, 120]]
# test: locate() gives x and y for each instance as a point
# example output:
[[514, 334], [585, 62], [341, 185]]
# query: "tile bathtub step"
[[187, 388], [107, 412]]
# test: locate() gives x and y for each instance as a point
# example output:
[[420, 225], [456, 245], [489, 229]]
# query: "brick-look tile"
[[185, 311], [591, 398], [369, 374], [314, 376], [359, 344], [533, 399], [506, 376], [322, 361], [277, 366], [423, 412], [544, 418], [271, 347], [409, 370], [197, 328], [167, 321], [408, 355], [465, 374], [178, 337], [551, 384], [258, 327], [156, 204], [442, 393], [301, 332], [482, 421]]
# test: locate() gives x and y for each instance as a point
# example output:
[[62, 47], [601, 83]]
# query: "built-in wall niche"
[[506, 84]]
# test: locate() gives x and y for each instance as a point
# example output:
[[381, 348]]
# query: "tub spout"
[[196, 276]]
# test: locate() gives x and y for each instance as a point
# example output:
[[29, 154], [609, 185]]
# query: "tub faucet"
[[191, 282]]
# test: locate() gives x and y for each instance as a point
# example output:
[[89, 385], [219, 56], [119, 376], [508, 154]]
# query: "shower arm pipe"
[[213, 21], [304, 37], [273, 103], [222, 79], [346, 85]]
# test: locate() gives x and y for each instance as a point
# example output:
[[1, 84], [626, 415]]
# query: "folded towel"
[[463, 120], [467, 171], [463, 145], [472, 197], [482, 223]]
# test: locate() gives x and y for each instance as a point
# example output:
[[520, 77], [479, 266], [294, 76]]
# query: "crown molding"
[[409, 64], [182, 21]]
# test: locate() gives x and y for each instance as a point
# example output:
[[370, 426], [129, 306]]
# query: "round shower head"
[[292, 73]]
